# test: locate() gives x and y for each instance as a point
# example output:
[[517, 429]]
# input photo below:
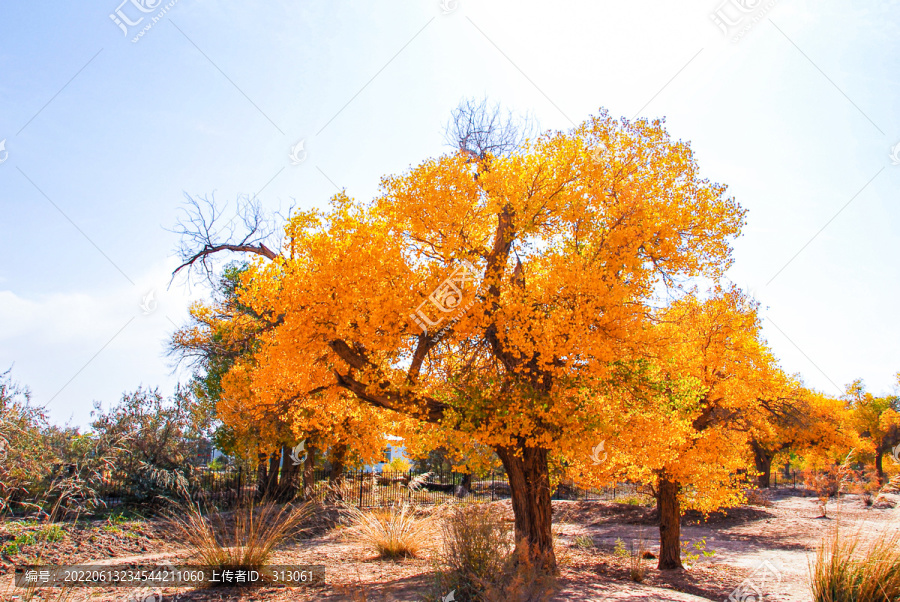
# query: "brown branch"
[[429, 409], [260, 249]]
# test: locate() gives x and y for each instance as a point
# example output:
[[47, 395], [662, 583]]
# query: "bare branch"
[[480, 129], [203, 234]]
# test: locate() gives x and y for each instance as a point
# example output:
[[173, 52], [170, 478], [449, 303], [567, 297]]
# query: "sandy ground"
[[760, 551]]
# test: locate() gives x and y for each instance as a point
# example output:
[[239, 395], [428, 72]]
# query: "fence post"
[[493, 483]]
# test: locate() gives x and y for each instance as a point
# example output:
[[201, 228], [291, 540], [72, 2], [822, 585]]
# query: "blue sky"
[[796, 108]]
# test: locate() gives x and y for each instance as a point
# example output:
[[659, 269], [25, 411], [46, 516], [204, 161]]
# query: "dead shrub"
[[829, 482], [478, 561], [755, 497]]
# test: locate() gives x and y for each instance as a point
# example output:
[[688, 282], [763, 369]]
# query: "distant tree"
[[877, 420]]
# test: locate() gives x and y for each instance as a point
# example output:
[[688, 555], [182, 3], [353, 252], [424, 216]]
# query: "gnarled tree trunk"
[[763, 461], [309, 473], [286, 485], [669, 523], [465, 486], [529, 482], [336, 477], [262, 474]]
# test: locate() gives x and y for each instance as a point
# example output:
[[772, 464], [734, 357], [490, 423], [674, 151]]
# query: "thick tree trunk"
[[309, 473], [262, 475], [465, 486], [286, 484], [669, 524], [763, 461], [529, 482], [336, 477], [271, 483]]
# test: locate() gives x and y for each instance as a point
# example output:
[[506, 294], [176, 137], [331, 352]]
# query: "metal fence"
[[204, 485], [780, 480], [361, 488]]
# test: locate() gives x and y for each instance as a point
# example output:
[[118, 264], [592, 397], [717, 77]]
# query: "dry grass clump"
[[393, 532], [522, 580], [244, 538], [850, 569], [477, 546], [33, 593], [757, 497], [478, 561]]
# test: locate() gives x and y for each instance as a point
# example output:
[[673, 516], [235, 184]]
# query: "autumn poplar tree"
[[687, 412], [494, 291], [877, 420], [220, 341], [800, 420]]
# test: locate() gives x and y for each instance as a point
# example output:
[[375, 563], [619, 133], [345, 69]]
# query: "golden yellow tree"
[[877, 420], [221, 338], [532, 270], [802, 421], [688, 414]]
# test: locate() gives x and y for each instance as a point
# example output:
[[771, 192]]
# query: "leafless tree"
[[480, 128]]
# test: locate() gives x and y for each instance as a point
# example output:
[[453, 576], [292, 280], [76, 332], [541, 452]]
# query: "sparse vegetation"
[[635, 554], [637, 500], [244, 538], [394, 532], [583, 542], [849, 567], [478, 560], [691, 552]]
